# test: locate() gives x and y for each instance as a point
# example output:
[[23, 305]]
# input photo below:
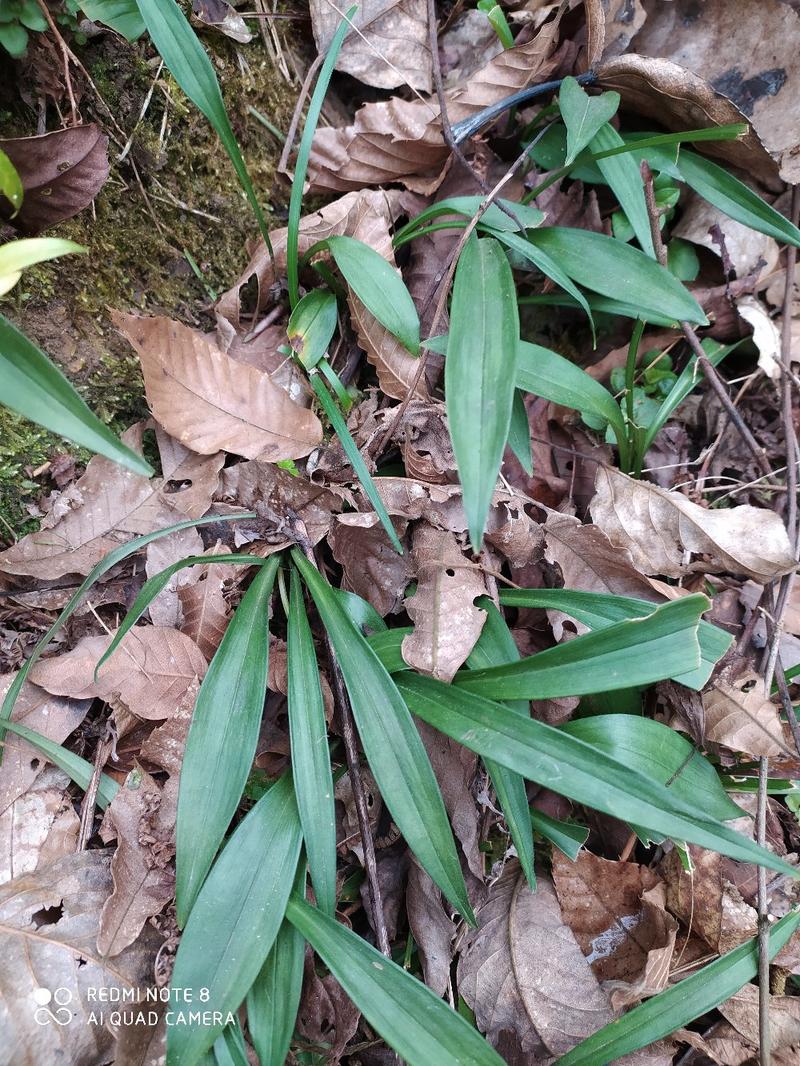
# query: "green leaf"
[[274, 997], [496, 645], [303, 155], [78, 769], [680, 1004], [392, 745], [637, 651], [14, 38], [480, 373], [553, 758], [354, 455], [121, 15], [734, 198], [236, 918], [36, 389], [468, 207], [583, 115], [311, 764], [222, 738], [10, 184], [229, 1047], [16, 256], [312, 324], [188, 62], [682, 259], [566, 836], [379, 287], [519, 433], [411, 1018], [497, 20], [624, 177], [618, 271]]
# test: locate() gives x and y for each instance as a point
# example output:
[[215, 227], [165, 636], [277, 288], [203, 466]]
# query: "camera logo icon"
[[60, 1014]]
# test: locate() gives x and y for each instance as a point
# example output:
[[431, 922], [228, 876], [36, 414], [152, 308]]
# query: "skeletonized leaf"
[[210, 401], [658, 525]]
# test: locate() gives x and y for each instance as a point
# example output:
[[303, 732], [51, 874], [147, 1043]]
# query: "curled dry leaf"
[[209, 401], [221, 16], [396, 369], [447, 623], [521, 937], [658, 526], [110, 505], [142, 818], [401, 140], [389, 46], [39, 827], [61, 173], [616, 911], [766, 335], [610, 27], [740, 715], [49, 921], [149, 673]]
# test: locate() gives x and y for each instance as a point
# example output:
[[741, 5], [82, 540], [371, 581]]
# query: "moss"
[[139, 233]]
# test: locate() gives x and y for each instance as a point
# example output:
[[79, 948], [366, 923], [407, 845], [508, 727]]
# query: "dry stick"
[[710, 374], [101, 754], [351, 752], [305, 89], [65, 56]]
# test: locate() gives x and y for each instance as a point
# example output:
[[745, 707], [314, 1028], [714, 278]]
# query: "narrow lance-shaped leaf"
[[235, 920], [411, 1018], [35, 388], [222, 738], [392, 745], [583, 115], [480, 372], [680, 1004], [496, 645], [624, 177], [274, 998], [567, 765], [519, 433], [468, 207], [566, 836], [311, 764]]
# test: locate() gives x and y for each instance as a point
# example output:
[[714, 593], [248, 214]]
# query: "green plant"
[[17, 17]]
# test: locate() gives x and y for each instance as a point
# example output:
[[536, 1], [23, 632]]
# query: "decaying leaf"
[[748, 251], [523, 973], [432, 929], [221, 16], [447, 623], [766, 335], [204, 612], [396, 369], [372, 568], [39, 827], [616, 911], [740, 715], [149, 673], [61, 173], [741, 1011], [209, 401], [110, 505], [165, 609], [610, 27], [660, 527], [327, 1016], [389, 46]]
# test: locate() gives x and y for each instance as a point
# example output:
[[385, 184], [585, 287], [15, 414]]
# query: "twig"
[[66, 55], [283, 162], [710, 374], [89, 803]]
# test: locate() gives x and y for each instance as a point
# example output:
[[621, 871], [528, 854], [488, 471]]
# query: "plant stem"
[[634, 437]]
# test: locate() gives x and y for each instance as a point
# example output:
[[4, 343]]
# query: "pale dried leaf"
[[165, 745], [749, 251], [392, 48], [432, 929], [39, 827], [610, 27], [740, 715], [741, 1011], [658, 526], [209, 401], [204, 610], [221, 16], [395, 366], [165, 609], [766, 335], [447, 623], [150, 673]]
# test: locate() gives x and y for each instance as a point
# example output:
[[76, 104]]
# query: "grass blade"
[[480, 373], [222, 738], [567, 765], [411, 1018], [236, 918], [392, 745], [311, 764], [188, 62], [35, 388], [675, 1007]]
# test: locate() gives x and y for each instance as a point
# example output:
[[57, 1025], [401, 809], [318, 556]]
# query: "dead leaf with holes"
[[616, 912], [211, 402], [49, 921], [447, 624], [61, 173], [110, 505], [388, 45], [149, 673], [658, 526], [740, 715]]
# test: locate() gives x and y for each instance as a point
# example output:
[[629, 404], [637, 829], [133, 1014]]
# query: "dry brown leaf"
[[401, 140], [610, 27], [372, 568], [748, 250], [142, 818], [203, 608], [426, 445], [740, 715], [326, 1017], [447, 623], [392, 48], [165, 609], [52, 716], [209, 401], [616, 911], [523, 973], [49, 921], [219, 15], [39, 827], [164, 747], [741, 1011], [110, 505], [395, 366], [747, 52], [658, 526], [149, 673], [61, 173], [432, 929]]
